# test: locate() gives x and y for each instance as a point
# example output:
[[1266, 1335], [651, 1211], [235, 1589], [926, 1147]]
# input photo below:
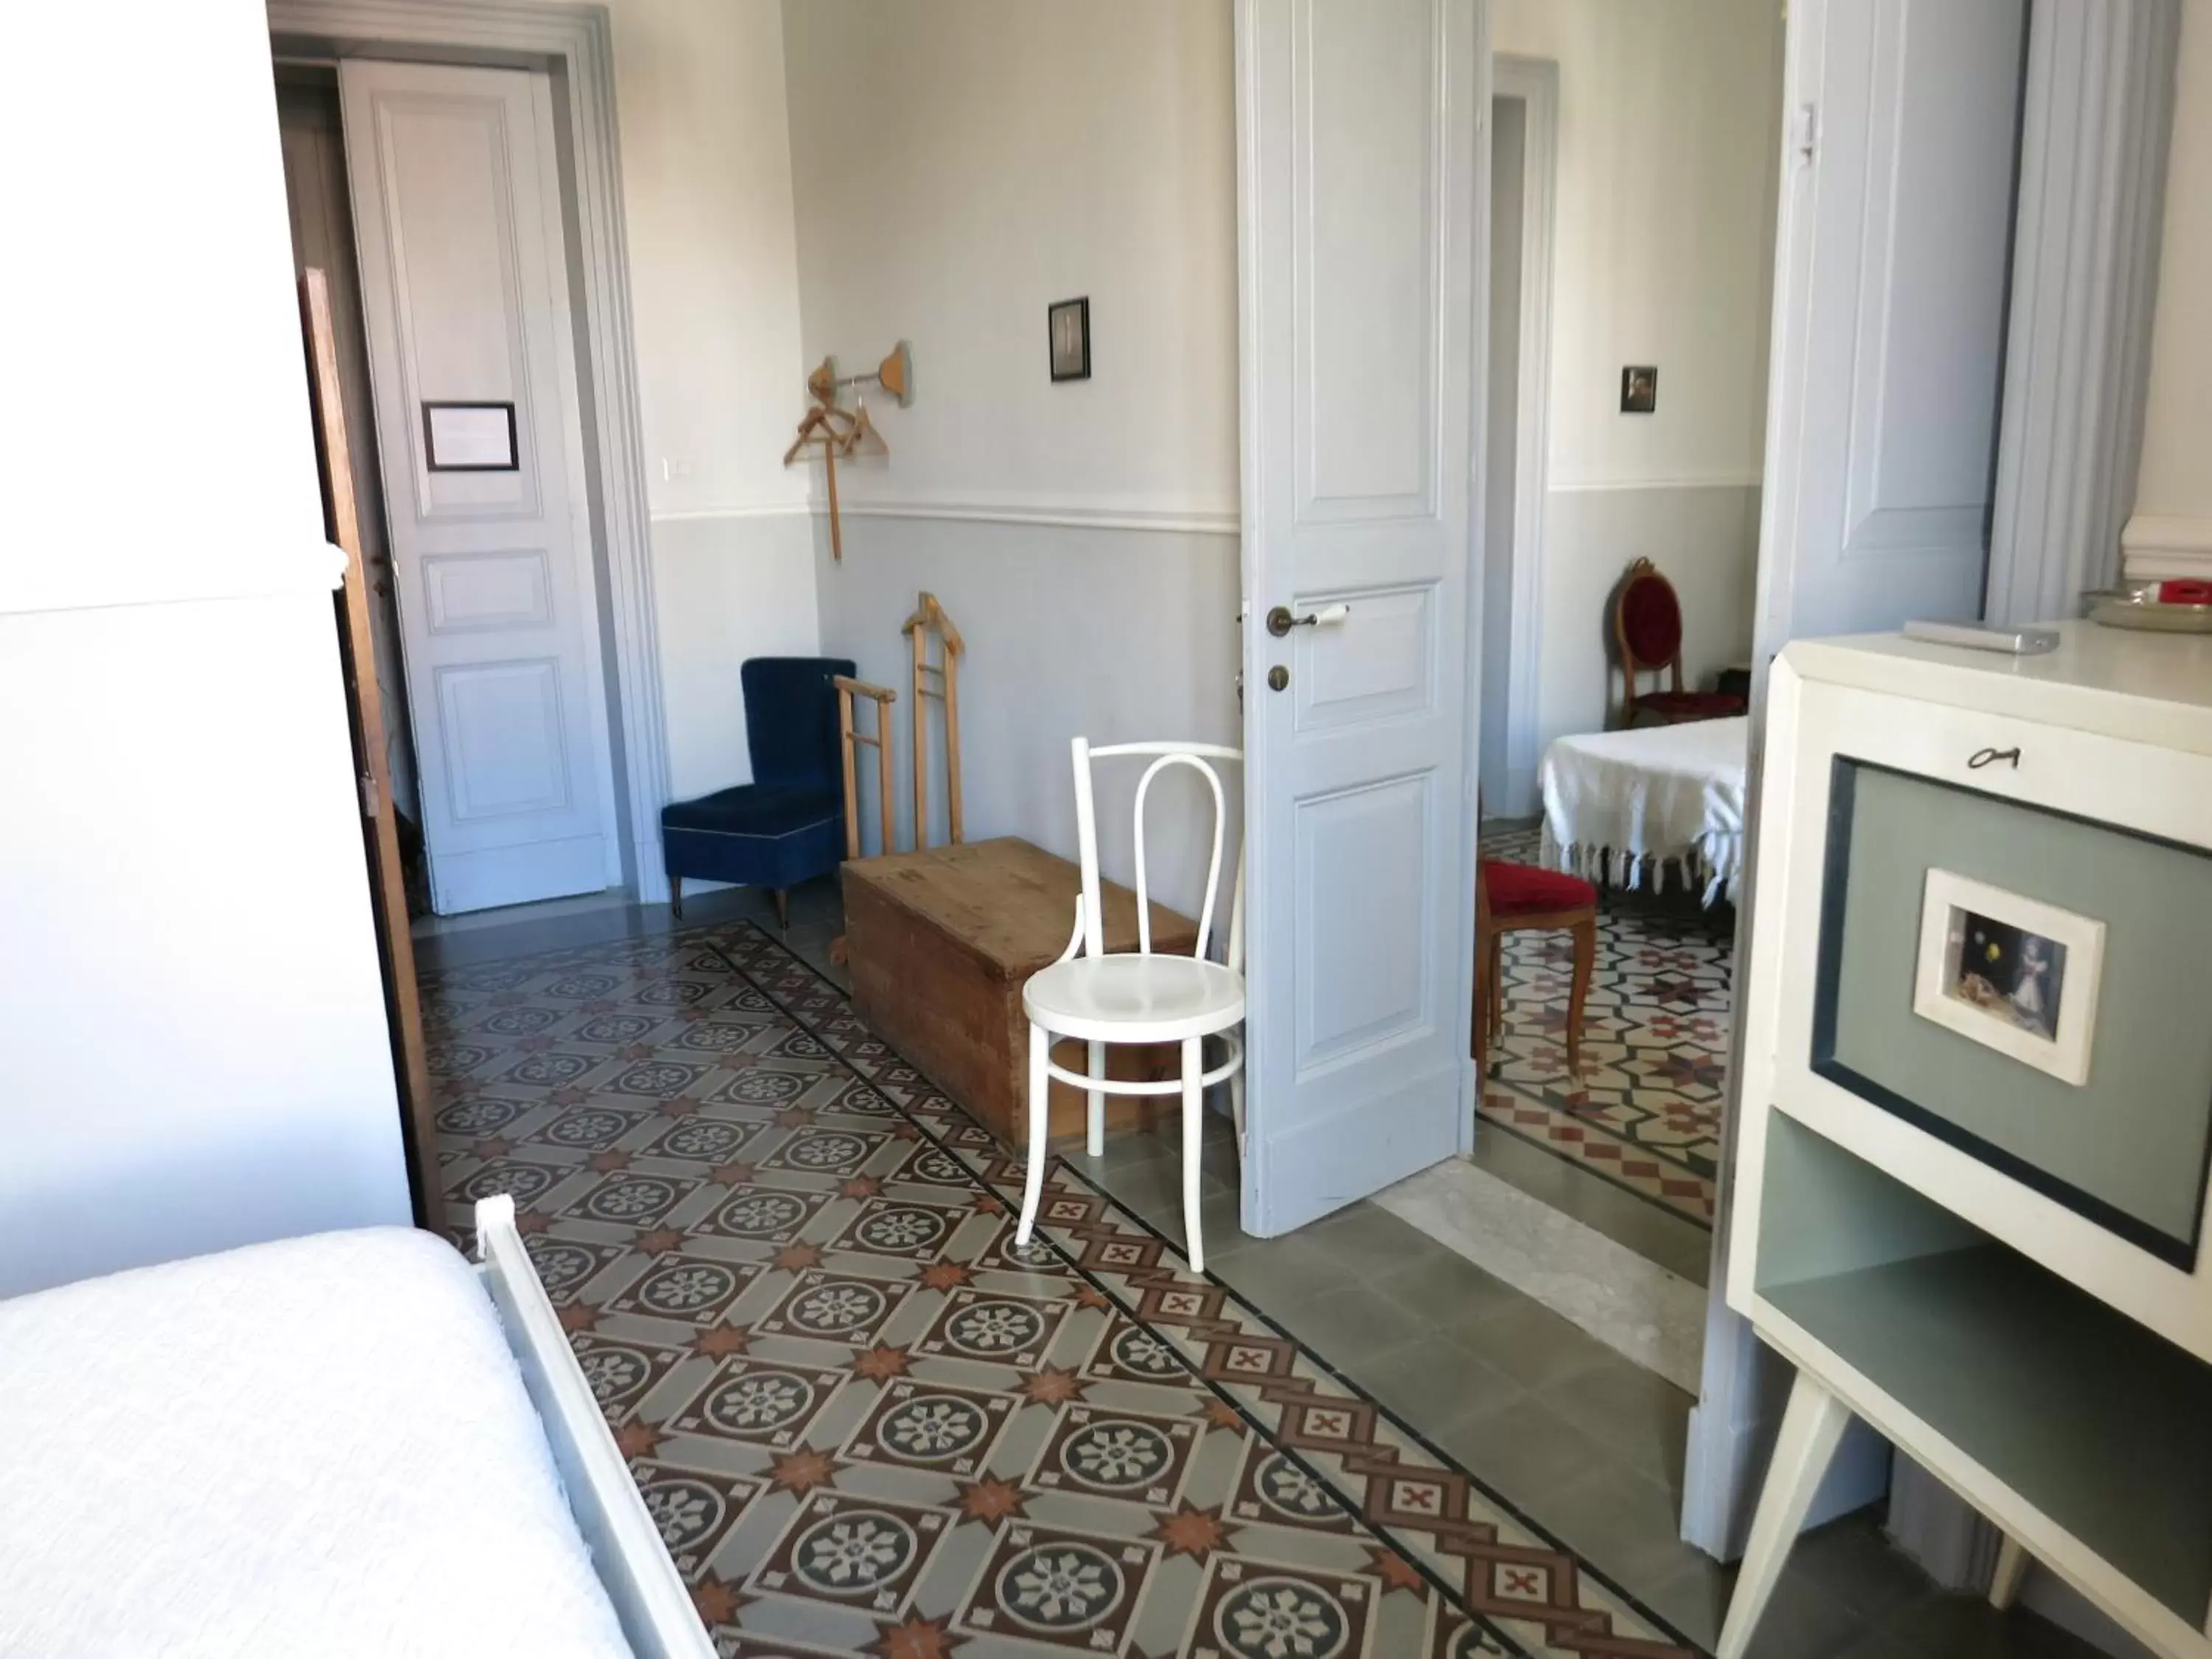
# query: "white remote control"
[[2012, 641]]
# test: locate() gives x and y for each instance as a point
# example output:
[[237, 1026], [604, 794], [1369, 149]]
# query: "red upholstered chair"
[[1511, 898], [1647, 628]]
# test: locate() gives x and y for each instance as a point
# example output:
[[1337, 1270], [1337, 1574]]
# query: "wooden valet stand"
[[937, 680]]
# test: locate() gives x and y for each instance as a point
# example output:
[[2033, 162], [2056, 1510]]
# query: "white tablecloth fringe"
[[1714, 863]]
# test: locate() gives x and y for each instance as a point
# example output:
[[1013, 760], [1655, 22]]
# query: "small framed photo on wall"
[[1068, 325], [2012, 973], [1639, 389]]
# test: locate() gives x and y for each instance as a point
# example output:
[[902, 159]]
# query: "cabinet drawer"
[[1983, 952], [2155, 792]]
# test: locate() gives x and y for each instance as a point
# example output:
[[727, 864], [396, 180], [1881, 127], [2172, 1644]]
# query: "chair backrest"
[[790, 718], [1647, 627], [1199, 758]]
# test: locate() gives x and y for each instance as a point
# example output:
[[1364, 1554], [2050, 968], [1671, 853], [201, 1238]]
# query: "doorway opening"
[[1630, 276], [1523, 181], [433, 198], [315, 191]]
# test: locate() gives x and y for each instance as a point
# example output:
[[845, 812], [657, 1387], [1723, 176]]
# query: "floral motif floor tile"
[[866, 1425]]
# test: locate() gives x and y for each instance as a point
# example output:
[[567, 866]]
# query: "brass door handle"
[[1281, 621]]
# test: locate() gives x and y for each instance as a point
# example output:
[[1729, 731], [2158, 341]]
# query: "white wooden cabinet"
[[1999, 1269]]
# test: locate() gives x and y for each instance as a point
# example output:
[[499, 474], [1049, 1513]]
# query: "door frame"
[[1533, 81], [574, 44]]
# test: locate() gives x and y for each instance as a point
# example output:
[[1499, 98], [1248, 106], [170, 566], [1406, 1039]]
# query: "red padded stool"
[[1511, 898]]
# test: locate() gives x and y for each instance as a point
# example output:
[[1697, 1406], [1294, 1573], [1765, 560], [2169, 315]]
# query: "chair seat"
[[757, 835], [1691, 705], [1525, 889], [1135, 998], [766, 810]]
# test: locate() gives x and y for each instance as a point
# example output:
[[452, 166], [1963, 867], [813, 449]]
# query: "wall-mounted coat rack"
[[894, 374], [837, 432]]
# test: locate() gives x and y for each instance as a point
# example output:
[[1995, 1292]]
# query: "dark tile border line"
[[1508, 1646], [1444, 1459], [1541, 1095]]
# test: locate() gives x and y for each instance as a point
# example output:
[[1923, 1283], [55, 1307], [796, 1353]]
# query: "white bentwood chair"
[[1139, 997]]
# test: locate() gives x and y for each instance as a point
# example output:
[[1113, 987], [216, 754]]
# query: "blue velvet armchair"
[[788, 824]]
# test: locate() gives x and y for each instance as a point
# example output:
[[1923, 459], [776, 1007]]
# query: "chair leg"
[[1585, 934], [676, 896], [1094, 1139], [783, 909], [1193, 1131], [1497, 988], [1236, 1110], [1040, 1110], [1479, 1037]]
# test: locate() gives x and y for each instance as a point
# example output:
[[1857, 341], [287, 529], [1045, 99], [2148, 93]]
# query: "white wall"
[[958, 167], [192, 1042], [194, 1052], [2174, 493], [1668, 134], [707, 196]]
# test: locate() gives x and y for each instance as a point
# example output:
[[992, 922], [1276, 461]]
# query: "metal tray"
[[2124, 610]]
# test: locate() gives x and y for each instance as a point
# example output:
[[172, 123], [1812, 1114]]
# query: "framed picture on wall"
[[1068, 325], [2012, 973]]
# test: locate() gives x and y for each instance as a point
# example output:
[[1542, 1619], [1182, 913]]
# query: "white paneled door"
[[1361, 187], [457, 211], [1896, 244]]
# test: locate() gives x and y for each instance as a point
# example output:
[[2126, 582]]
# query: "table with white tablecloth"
[[1621, 807]]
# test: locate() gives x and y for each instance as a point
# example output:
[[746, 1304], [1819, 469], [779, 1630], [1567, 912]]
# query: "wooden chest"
[[940, 942]]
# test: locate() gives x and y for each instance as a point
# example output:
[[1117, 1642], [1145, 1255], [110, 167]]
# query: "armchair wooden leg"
[[676, 896], [1585, 933], [783, 909]]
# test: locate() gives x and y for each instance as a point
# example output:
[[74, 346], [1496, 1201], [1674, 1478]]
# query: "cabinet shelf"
[[2102, 1426]]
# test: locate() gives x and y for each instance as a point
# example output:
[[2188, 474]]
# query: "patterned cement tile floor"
[[867, 1423], [1645, 1114], [1587, 1446]]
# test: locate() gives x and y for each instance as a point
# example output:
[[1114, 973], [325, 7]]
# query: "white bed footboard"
[[648, 1594]]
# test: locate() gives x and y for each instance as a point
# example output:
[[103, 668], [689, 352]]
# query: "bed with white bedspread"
[[352, 1444], [1620, 806]]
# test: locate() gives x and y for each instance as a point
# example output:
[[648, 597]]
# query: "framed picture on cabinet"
[[2012, 973]]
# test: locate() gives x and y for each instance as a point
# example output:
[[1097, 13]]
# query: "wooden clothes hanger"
[[839, 431], [833, 431]]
